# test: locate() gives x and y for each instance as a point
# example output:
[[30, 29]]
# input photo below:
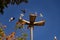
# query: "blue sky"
[[50, 10]]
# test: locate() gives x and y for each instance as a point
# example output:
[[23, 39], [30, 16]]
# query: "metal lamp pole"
[[31, 33], [32, 23]]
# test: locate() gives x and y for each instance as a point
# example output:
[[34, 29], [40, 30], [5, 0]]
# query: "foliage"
[[4, 3], [3, 36], [20, 38]]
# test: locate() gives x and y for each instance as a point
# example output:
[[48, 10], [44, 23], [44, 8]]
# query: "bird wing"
[[40, 23]]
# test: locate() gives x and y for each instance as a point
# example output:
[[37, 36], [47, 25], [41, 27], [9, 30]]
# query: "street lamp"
[[31, 23]]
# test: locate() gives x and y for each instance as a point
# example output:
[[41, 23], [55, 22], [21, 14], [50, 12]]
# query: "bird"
[[23, 11], [11, 19], [21, 15], [55, 38], [41, 15]]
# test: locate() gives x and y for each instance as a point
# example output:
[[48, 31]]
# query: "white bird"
[[55, 38], [11, 19], [41, 15], [22, 15]]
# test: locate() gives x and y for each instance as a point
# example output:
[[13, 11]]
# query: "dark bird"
[[23, 10]]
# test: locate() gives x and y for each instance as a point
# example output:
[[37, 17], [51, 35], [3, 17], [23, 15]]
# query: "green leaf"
[[20, 38], [25, 35], [1, 29], [19, 26]]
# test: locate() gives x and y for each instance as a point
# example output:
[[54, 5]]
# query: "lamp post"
[[31, 33], [31, 23]]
